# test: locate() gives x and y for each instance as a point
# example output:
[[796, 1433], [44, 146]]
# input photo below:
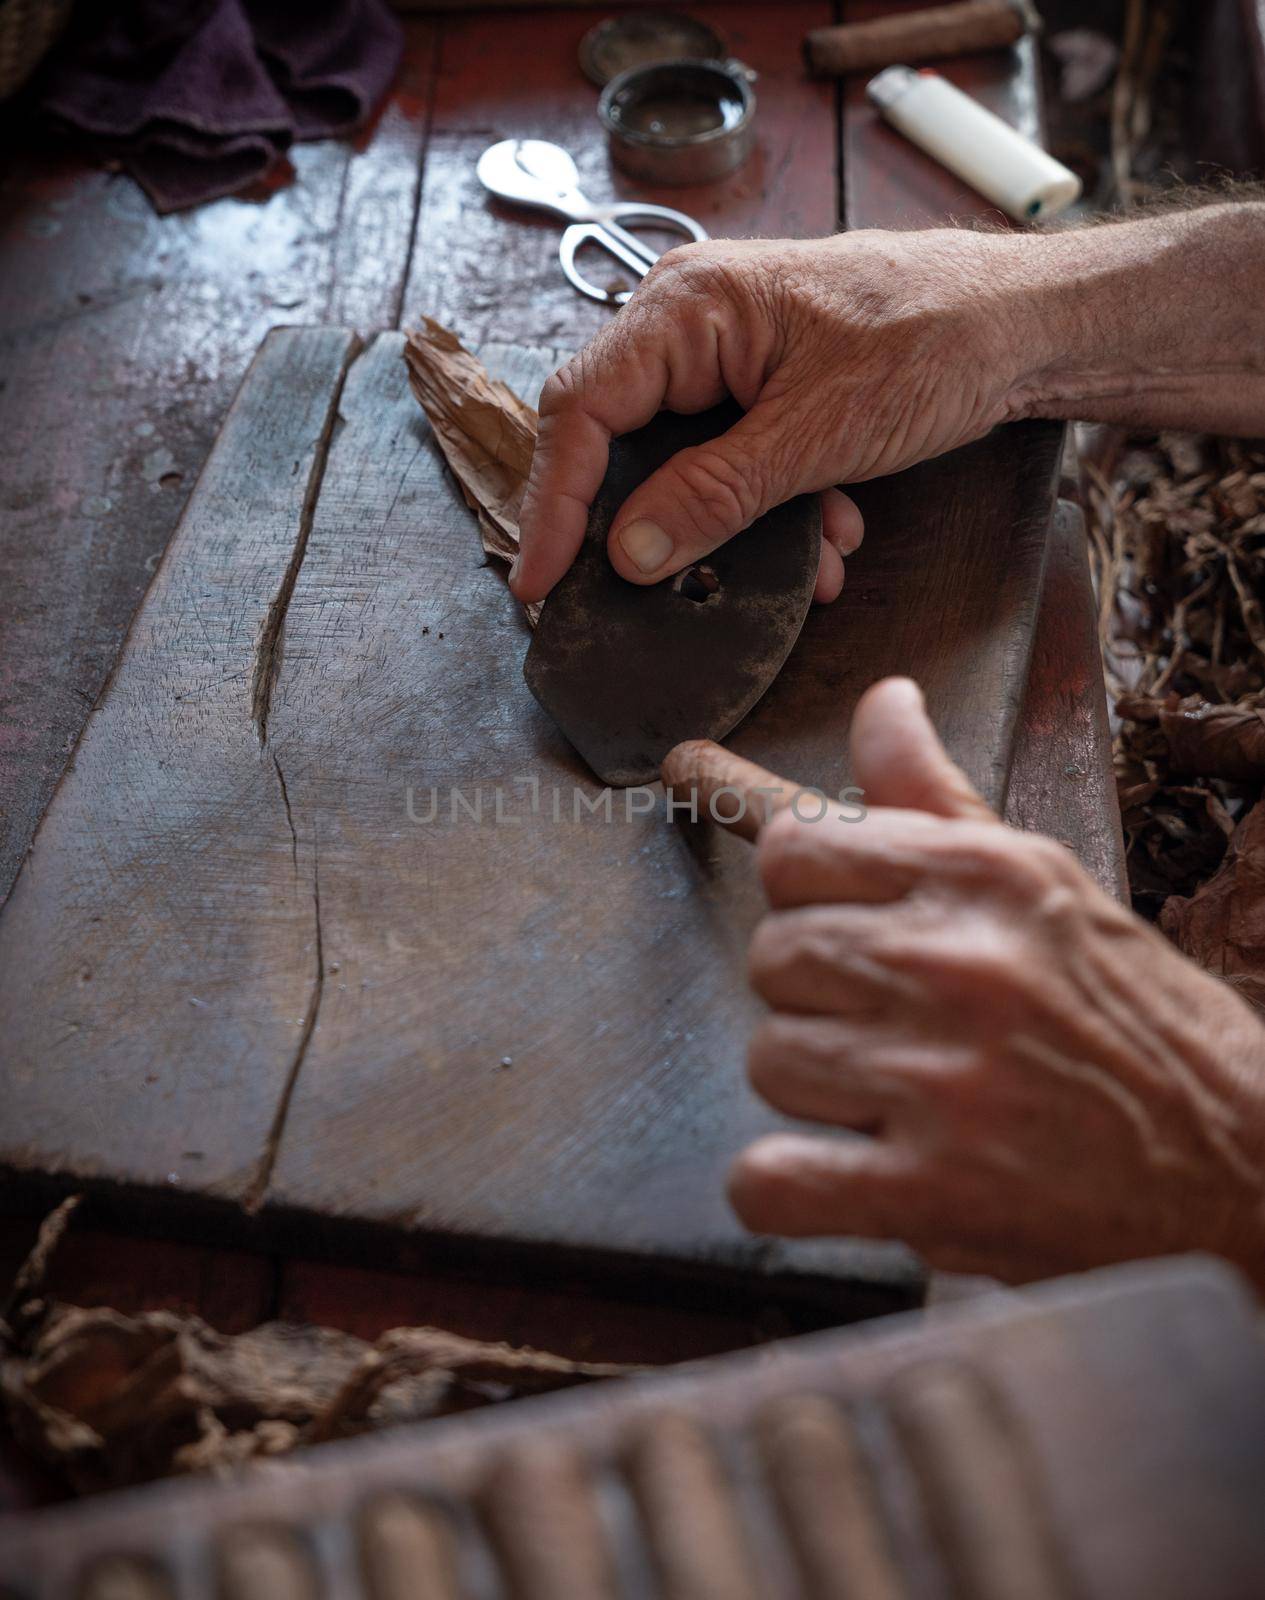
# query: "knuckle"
[[588, 372], [1053, 861], [979, 972], [764, 1056], [560, 390], [679, 259], [808, 948], [780, 1041], [749, 1185], [718, 492], [961, 1073], [693, 261], [990, 958], [1017, 860], [761, 1177], [782, 944], [675, 275], [767, 953], [996, 858], [1028, 870], [711, 272], [778, 850]]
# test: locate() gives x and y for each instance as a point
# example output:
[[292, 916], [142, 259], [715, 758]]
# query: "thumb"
[[898, 760], [701, 497]]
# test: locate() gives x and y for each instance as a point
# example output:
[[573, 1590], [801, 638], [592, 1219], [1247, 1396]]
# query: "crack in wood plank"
[[269, 650], [432, 83], [258, 1187], [285, 800], [268, 658]]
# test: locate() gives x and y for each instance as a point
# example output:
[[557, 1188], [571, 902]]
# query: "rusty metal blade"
[[627, 671]]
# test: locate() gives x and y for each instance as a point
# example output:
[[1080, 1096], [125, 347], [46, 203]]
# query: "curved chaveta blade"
[[627, 672]]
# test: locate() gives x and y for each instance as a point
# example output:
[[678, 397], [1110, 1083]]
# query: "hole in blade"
[[698, 583]]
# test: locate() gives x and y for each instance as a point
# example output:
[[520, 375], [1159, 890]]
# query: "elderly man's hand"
[[859, 355], [853, 356], [1045, 1082]]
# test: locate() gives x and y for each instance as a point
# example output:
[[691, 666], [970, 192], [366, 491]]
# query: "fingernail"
[[912, 692], [645, 544]]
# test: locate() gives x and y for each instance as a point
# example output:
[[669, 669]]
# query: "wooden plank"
[[637, 933], [945, 588], [1062, 781], [443, 933], [169, 847], [490, 270], [364, 971], [122, 338]]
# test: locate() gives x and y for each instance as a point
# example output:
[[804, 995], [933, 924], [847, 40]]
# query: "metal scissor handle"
[[617, 241]]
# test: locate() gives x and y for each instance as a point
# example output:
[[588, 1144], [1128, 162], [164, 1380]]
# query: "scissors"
[[536, 173]]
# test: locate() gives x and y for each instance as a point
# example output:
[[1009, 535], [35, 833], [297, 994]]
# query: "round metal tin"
[[680, 121], [642, 39]]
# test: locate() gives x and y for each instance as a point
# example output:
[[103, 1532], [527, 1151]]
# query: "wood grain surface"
[[1061, 782], [123, 336], [138, 865]]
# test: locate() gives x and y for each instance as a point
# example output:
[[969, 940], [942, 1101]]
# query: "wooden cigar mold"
[[1035, 1446]]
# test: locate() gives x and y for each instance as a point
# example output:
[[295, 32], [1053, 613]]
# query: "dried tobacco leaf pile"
[[107, 1400], [1177, 527]]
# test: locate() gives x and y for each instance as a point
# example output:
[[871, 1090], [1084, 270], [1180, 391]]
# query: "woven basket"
[[27, 31]]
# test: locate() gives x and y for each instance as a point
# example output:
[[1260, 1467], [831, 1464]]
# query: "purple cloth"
[[199, 98]]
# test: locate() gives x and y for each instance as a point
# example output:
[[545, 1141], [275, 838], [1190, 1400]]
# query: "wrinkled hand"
[[853, 356], [1046, 1083]]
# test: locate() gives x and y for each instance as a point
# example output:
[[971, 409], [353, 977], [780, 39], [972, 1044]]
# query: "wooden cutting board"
[[251, 988]]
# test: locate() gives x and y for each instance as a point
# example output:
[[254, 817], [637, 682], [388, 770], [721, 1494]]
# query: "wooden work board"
[[253, 991]]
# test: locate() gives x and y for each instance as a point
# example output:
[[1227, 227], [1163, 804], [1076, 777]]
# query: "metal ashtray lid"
[[638, 40], [680, 122]]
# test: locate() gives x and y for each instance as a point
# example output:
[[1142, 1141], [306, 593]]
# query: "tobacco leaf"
[[23, 1305], [487, 434], [110, 1400], [1177, 539], [1202, 740], [1222, 925]]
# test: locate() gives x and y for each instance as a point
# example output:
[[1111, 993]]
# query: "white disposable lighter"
[[984, 151]]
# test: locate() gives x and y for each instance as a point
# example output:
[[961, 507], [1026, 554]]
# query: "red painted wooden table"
[[125, 335]]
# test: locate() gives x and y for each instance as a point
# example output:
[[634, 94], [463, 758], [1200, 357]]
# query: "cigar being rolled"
[[930, 35], [709, 782]]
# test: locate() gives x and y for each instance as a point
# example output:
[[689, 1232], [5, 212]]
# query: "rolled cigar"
[[919, 36], [729, 789]]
